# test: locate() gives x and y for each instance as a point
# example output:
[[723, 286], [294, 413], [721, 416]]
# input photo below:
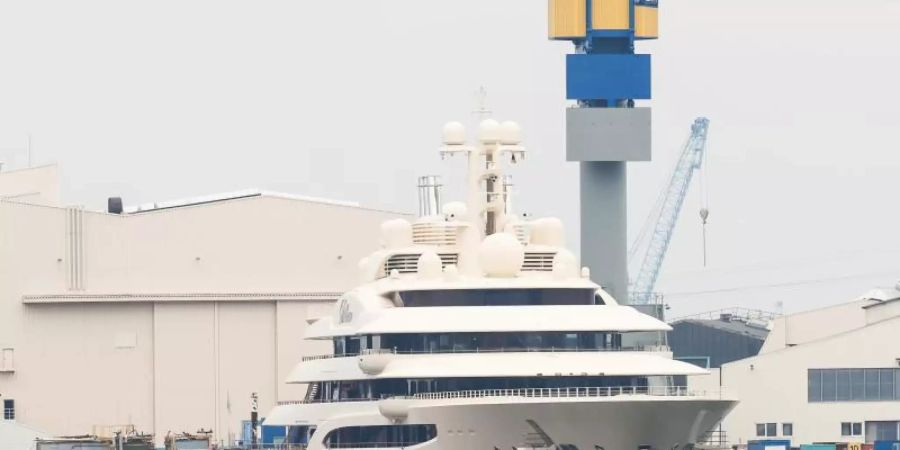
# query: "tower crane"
[[664, 216]]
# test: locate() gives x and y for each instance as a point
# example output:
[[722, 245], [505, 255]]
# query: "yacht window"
[[386, 388], [380, 436], [571, 341], [299, 434], [501, 342], [497, 297], [352, 346]]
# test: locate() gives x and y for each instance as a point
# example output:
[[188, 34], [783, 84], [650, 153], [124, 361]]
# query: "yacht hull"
[[625, 423]]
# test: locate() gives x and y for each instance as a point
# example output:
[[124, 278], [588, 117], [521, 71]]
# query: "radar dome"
[[501, 255], [489, 130], [396, 233], [429, 266], [455, 211], [510, 133], [454, 133], [565, 265], [548, 231]]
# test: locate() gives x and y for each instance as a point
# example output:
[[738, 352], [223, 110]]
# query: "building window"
[[851, 428], [842, 379], [9, 409], [882, 431], [767, 429], [858, 385], [787, 429], [814, 385], [887, 384]]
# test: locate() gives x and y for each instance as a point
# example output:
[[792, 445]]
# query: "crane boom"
[[665, 215]]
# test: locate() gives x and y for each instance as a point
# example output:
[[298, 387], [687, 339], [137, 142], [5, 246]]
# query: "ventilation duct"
[[429, 196]]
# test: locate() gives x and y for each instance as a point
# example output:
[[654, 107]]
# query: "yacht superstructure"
[[475, 329]]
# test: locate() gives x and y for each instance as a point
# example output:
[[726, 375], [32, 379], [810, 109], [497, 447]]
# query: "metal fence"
[[638, 348], [575, 392], [263, 447]]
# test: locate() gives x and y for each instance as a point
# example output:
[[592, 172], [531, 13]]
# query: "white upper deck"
[[475, 266], [497, 319]]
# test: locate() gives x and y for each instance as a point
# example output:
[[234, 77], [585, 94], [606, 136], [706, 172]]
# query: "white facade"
[[166, 319], [840, 343]]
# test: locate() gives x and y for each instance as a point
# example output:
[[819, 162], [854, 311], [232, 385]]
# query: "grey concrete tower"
[[605, 130]]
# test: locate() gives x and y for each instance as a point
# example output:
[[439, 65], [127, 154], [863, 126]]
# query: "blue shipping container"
[[769, 444], [887, 445]]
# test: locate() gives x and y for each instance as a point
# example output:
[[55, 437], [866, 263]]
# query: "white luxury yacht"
[[474, 329]]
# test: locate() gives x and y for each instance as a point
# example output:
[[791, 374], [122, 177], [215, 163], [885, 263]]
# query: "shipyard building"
[[829, 375], [166, 317]]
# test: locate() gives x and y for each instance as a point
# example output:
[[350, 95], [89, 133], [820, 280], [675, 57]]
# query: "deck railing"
[[264, 447], [642, 348], [325, 400], [716, 438], [571, 392]]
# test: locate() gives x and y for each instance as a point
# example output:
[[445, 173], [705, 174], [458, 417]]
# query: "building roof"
[[227, 196], [178, 297], [732, 326], [882, 296]]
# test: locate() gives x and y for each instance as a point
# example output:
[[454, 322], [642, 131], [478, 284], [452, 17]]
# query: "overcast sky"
[[345, 99]]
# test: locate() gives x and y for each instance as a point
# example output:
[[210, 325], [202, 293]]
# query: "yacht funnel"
[[429, 196]]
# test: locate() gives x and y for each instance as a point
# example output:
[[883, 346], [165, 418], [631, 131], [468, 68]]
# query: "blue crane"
[[664, 216]]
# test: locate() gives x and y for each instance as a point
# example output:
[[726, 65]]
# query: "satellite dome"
[[510, 133], [454, 133], [501, 255], [455, 211], [548, 231], [565, 265], [396, 233], [429, 266], [489, 130]]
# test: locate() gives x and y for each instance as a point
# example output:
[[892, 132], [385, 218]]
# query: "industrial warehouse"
[[165, 319], [808, 383]]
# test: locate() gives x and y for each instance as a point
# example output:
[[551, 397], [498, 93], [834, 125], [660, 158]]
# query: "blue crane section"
[[665, 216]]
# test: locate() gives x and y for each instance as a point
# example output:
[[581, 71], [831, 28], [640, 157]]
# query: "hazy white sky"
[[167, 99]]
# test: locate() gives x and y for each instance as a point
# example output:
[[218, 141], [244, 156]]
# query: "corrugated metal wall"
[[689, 339]]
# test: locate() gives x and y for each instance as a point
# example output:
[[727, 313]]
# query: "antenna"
[[481, 110], [28, 148]]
